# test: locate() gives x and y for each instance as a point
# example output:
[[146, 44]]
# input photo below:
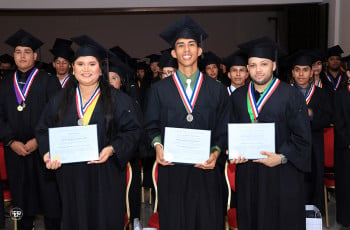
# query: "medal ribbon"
[[310, 93], [331, 81], [65, 80], [254, 107], [229, 90], [21, 94], [80, 108], [188, 102], [319, 83]]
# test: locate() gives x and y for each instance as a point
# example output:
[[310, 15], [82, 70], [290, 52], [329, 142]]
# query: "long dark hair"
[[106, 98]]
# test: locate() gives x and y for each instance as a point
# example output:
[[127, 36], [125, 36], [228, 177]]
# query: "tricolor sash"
[[64, 81], [330, 79], [310, 93], [319, 83], [81, 109], [229, 90], [21, 94], [189, 103], [254, 107]]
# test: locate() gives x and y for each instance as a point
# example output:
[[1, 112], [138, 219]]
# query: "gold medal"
[[19, 108], [81, 122], [189, 117]]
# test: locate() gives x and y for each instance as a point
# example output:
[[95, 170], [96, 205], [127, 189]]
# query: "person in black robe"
[[33, 189], [342, 152], [2, 209], [319, 111], [335, 78], [92, 193], [190, 196], [118, 72], [63, 55], [270, 191]]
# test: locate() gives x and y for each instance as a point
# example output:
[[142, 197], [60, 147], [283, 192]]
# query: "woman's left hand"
[[106, 152]]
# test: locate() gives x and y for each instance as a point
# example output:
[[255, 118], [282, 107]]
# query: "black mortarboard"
[[89, 47], [124, 56], [334, 51], [300, 57], [262, 47], [23, 38], [119, 67], [210, 58], [62, 48], [347, 61], [166, 60], [236, 59], [6, 58], [153, 58], [166, 50], [141, 65], [185, 27], [318, 55]]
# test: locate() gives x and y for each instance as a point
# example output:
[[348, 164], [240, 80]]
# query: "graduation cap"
[[62, 49], [23, 38], [6, 58], [237, 58], [318, 55], [347, 61], [211, 58], [89, 47], [334, 51], [166, 60], [185, 27], [301, 57], [262, 47], [119, 67], [141, 65], [124, 56], [153, 58]]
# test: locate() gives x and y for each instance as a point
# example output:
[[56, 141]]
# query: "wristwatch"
[[284, 159]]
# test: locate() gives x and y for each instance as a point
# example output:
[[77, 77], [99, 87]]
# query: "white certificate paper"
[[249, 139], [73, 144], [189, 146]]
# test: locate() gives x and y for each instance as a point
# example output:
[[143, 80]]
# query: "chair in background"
[[127, 221], [230, 173], [154, 219], [5, 187], [329, 174]]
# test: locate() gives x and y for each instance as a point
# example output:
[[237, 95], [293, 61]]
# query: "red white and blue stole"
[[255, 107], [81, 109], [310, 93], [319, 83], [229, 90], [21, 94], [189, 103], [334, 84], [64, 81]]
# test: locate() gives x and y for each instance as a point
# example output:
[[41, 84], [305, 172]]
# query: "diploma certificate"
[[190, 146], [249, 139], [73, 144]]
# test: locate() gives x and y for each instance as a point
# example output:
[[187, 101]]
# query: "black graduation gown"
[[322, 110], [2, 210], [273, 198], [189, 198], [329, 88], [342, 156], [93, 196], [32, 187]]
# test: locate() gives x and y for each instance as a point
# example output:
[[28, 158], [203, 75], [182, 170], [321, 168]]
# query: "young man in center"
[[190, 196], [270, 191]]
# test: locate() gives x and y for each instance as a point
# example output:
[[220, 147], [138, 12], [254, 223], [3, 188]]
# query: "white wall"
[[344, 29], [138, 33], [86, 4]]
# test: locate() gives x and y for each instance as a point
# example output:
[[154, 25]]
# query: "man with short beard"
[[270, 190]]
